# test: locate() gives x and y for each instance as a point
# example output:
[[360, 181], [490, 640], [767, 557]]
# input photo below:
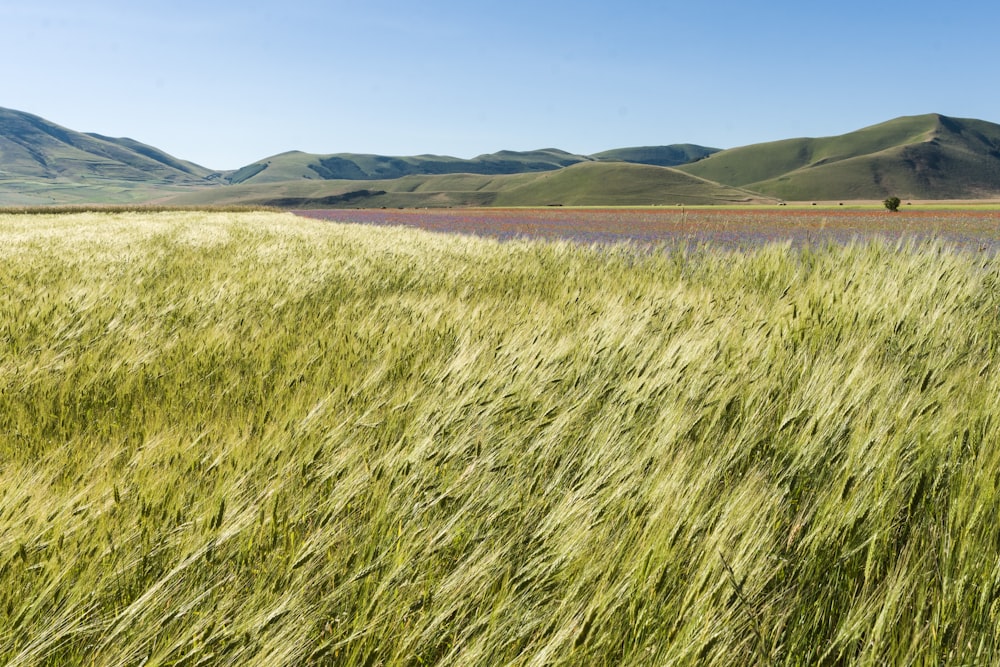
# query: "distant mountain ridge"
[[914, 157]]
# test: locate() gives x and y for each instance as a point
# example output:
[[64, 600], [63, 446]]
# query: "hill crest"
[[930, 156], [44, 163], [37, 147], [361, 166]]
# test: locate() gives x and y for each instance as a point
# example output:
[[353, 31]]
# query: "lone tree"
[[892, 203]]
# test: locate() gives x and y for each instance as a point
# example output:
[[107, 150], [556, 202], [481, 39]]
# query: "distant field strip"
[[259, 439], [966, 227]]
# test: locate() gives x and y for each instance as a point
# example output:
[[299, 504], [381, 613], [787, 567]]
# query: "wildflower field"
[[259, 439], [966, 227]]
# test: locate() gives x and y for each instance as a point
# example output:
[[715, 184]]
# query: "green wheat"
[[252, 439]]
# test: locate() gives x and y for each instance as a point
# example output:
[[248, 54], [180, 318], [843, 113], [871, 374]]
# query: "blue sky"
[[226, 83]]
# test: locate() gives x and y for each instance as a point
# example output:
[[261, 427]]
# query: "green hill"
[[620, 184], [41, 162], [915, 157], [660, 156], [355, 166], [583, 184], [407, 191]]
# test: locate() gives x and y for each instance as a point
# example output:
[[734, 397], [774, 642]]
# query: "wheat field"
[[255, 439]]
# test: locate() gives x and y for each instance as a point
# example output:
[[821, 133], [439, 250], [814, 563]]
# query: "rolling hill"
[[353, 166], [41, 162], [582, 184], [295, 165], [659, 156], [914, 157], [621, 184]]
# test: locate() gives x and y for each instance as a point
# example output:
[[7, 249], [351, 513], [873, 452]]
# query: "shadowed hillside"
[[353, 166]]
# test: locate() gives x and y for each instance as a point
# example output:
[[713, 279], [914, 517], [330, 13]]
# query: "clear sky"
[[227, 83]]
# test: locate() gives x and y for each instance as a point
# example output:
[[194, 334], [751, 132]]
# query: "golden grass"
[[250, 438]]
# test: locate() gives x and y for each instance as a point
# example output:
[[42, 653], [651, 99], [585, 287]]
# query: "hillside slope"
[[621, 184], [295, 165], [926, 157], [33, 146], [42, 162], [354, 166], [583, 184]]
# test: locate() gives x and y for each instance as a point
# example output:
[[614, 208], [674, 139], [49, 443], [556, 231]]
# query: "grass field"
[[257, 439]]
